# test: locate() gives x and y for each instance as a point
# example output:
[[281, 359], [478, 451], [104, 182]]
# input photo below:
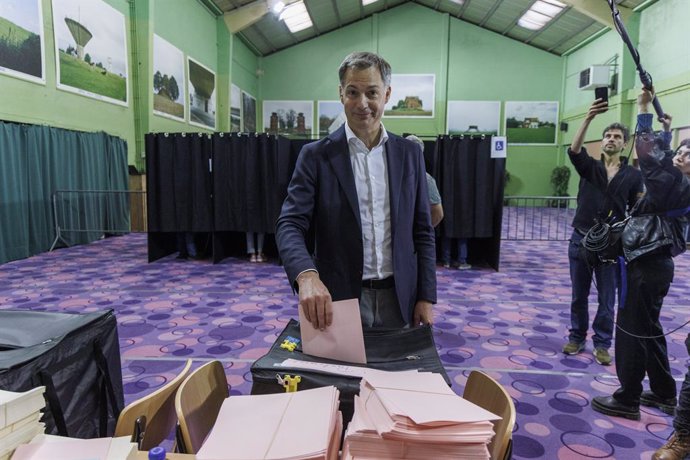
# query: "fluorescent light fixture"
[[277, 7], [368, 2], [540, 13], [296, 17], [459, 2], [546, 8]]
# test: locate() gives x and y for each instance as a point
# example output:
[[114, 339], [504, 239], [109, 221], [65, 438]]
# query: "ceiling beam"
[[599, 11], [240, 18]]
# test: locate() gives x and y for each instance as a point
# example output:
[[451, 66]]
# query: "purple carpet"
[[512, 324]]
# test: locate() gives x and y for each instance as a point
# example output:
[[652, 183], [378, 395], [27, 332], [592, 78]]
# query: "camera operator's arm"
[[597, 107], [644, 143]]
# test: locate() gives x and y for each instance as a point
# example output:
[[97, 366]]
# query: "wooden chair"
[[150, 419], [487, 393], [197, 404]]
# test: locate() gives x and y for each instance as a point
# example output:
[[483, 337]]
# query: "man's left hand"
[[423, 314]]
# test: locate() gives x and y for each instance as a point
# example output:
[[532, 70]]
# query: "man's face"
[[681, 160], [613, 142], [364, 97]]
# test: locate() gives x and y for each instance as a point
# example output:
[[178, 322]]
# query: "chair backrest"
[[487, 393], [198, 402], [153, 417]]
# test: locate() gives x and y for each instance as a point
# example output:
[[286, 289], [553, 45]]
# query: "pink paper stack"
[[415, 415], [302, 425]]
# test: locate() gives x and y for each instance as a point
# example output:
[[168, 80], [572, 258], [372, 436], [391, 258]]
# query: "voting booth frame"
[[386, 349], [76, 357], [220, 186]]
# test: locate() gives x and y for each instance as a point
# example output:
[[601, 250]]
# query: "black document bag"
[[387, 349], [76, 357]]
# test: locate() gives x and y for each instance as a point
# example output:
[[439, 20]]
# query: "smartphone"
[[602, 93]]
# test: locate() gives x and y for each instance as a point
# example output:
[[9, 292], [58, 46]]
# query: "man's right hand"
[[315, 300], [597, 107]]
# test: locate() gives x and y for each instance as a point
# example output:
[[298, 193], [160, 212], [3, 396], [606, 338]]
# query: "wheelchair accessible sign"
[[499, 147]]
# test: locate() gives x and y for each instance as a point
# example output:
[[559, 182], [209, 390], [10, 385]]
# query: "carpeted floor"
[[511, 324]]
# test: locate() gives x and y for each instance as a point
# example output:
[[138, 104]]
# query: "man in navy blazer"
[[361, 193]]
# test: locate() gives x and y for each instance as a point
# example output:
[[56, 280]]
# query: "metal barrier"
[[82, 216], [538, 217]]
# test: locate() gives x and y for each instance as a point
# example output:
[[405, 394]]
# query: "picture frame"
[[235, 109], [531, 122], [412, 96], [201, 90], [169, 84], [91, 50], [22, 40], [248, 113], [473, 118], [331, 116], [288, 118]]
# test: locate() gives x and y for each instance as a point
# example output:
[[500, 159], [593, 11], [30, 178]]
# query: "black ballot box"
[[76, 357], [386, 349]]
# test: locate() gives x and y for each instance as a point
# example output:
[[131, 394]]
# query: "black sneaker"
[[667, 406]]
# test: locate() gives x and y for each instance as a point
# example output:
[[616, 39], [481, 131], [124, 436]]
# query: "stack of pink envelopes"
[[415, 415], [301, 425]]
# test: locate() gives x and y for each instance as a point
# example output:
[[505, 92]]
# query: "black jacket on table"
[[599, 199]]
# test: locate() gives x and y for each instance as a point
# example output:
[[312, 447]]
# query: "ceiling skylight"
[[540, 13], [296, 17]]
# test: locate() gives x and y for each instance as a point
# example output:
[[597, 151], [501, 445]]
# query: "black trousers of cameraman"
[[648, 281]]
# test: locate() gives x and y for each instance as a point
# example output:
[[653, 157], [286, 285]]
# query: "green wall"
[[470, 63]]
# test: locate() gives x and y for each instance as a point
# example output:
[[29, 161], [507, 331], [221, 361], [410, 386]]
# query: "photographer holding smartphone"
[[651, 238], [608, 188]]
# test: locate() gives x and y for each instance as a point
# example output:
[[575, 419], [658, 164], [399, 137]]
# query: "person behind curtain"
[[255, 249], [458, 247], [651, 238], [362, 191], [607, 189], [434, 195], [186, 246], [678, 445]]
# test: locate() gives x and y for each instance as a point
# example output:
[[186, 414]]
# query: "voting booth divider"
[[220, 186]]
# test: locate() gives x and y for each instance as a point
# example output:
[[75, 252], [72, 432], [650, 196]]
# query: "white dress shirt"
[[371, 179]]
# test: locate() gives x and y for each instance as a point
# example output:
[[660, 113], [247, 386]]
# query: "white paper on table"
[[343, 340]]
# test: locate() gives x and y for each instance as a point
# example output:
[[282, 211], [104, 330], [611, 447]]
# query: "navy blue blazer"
[[322, 197]]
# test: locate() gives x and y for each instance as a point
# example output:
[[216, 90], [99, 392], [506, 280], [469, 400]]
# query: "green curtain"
[[14, 217], [83, 167]]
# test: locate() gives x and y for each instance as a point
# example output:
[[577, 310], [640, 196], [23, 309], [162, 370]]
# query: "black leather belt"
[[385, 283]]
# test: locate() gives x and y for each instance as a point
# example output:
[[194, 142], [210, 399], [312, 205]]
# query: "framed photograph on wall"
[[248, 113], [202, 95], [235, 109], [168, 80], [412, 96], [91, 49], [331, 117], [288, 118], [22, 40], [528, 122], [473, 117]]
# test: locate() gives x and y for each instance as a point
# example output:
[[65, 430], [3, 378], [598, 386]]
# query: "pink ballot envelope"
[[342, 340]]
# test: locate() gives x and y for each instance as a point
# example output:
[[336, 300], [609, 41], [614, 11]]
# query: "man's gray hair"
[[416, 140], [361, 60]]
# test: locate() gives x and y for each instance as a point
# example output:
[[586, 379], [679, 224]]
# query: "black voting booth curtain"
[[250, 175], [225, 185], [471, 187], [179, 183]]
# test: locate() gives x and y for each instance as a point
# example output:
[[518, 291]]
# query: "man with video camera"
[[651, 238], [608, 188]]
